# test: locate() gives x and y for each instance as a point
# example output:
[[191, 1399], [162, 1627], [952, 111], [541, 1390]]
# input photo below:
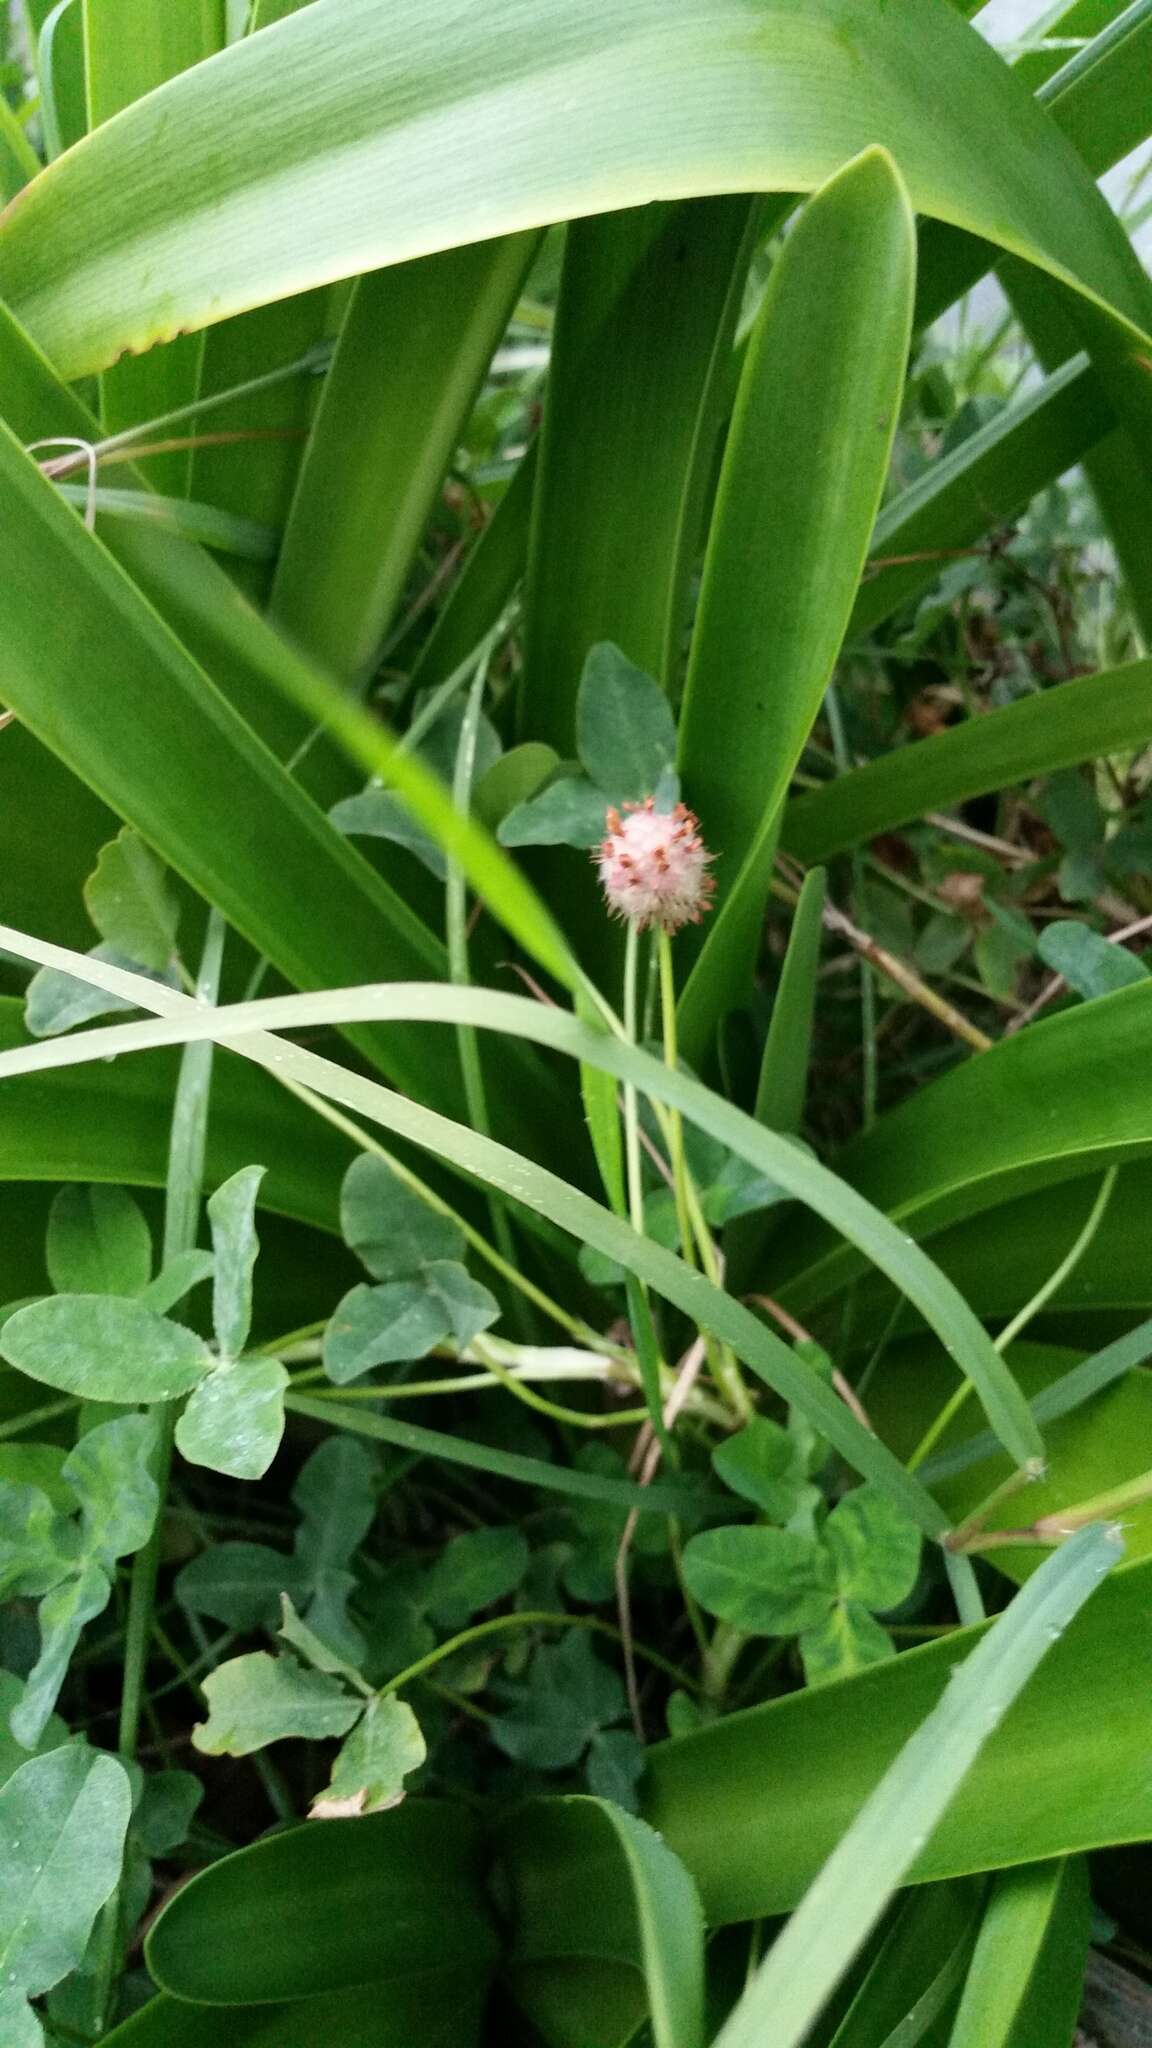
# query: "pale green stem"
[[456, 921], [1051, 1530], [631, 1106], [1020, 1321], [533, 1619], [316, 359], [543, 1406], [973, 1523], [675, 1124]]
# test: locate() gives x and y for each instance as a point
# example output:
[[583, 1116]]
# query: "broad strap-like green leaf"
[[415, 344], [1117, 468], [131, 47], [648, 306], [1091, 93], [444, 2012], [782, 1086], [111, 1124], [273, 1921], [240, 830], [899, 1817], [333, 143], [987, 1131], [756, 1804], [804, 471], [1055, 728], [18, 160], [914, 1971], [593, 1886], [1026, 1976]]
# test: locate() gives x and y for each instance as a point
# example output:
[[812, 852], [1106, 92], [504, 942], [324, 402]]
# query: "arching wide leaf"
[[340, 140], [1047, 1105]]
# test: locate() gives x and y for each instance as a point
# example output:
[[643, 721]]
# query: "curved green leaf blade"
[[755, 1805], [882, 1844], [440, 2011], [662, 1498], [915, 1971], [109, 717], [1057, 728], [324, 147], [805, 467], [987, 1130], [112, 1124], [246, 538], [593, 1885], [415, 343], [777, 1158], [331, 1905], [130, 47], [782, 1086], [648, 305], [1027, 1969]]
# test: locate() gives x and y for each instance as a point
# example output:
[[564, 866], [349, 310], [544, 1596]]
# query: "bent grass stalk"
[[1021, 1320], [244, 1029], [880, 1848]]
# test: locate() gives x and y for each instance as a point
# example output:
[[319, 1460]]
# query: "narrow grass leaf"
[[1025, 1907], [883, 1842], [777, 1158], [659, 1499]]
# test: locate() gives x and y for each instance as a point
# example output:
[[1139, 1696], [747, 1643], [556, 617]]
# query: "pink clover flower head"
[[654, 866]]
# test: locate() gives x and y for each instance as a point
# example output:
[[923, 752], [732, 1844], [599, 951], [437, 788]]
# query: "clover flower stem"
[[695, 1235], [631, 1107], [675, 1124], [723, 1654], [1023, 1317]]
